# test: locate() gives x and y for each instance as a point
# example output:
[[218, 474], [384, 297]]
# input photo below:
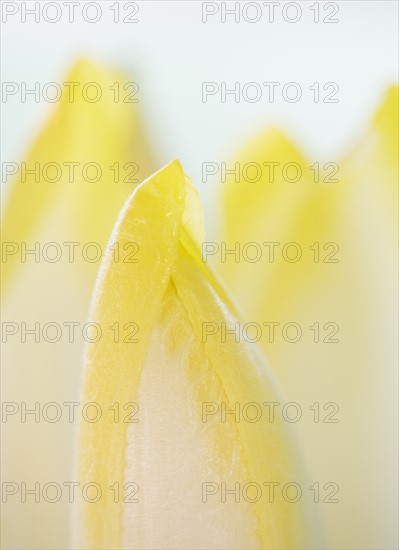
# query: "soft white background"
[[170, 52]]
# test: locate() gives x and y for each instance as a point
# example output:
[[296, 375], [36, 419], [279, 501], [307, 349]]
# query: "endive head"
[[164, 456]]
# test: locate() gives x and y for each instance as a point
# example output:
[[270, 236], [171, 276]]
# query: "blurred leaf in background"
[[67, 202], [336, 286]]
